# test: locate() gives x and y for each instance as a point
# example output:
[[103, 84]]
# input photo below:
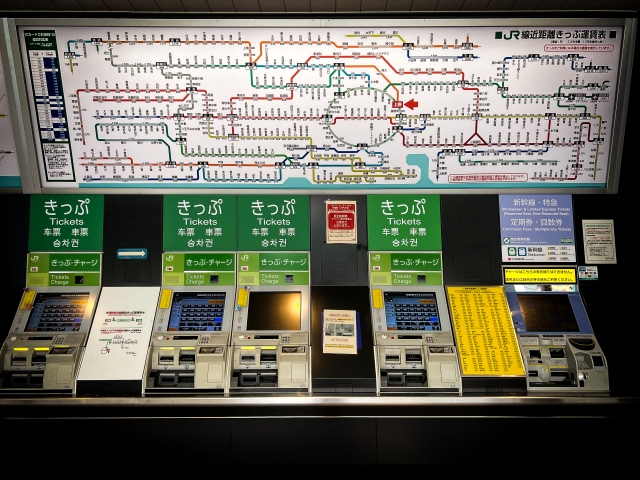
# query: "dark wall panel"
[[132, 221], [470, 240]]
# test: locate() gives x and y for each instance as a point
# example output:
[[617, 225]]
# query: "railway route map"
[[9, 171], [322, 108]]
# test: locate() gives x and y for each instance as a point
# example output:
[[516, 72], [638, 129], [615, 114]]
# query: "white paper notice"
[[599, 242], [340, 334], [120, 333]]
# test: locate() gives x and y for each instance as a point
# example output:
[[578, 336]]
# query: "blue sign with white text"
[[537, 228]]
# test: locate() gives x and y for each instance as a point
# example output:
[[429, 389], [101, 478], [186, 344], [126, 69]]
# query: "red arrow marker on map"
[[411, 104]]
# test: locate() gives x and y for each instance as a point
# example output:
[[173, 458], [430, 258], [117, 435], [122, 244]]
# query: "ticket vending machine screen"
[[411, 311], [547, 313], [274, 311], [57, 312], [195, 311]]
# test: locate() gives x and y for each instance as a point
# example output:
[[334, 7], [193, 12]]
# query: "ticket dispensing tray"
[[414, 342]]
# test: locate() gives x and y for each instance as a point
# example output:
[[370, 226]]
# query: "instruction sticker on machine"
[[486, 339], [340, 334]]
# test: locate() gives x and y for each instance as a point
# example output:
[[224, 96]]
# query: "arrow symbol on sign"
[[140, 253], [411, 104]]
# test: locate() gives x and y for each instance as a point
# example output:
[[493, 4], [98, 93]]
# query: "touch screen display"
[[274, 311], [57, 312], [197, 312], [547, 313], [411, 311]]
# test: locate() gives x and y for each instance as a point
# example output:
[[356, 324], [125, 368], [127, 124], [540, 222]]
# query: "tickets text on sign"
[[394, 214], [281, 226], [54, 210], [187, 210]]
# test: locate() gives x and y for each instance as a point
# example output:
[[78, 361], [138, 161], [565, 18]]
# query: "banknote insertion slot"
[[291, 349], [557, 353], [268, 356], [211, 350], [188, 357], [413, 356], [39, 358]]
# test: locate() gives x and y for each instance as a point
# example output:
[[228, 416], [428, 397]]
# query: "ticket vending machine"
[[47, 338], [189, 343], [415, 350], [561, 353], [270, 349], [48, 335]]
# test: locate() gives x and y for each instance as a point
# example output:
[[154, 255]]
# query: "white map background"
[[8, 156], [435, 107]]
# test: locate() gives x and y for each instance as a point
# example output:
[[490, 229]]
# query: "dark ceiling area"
[[345, 7]]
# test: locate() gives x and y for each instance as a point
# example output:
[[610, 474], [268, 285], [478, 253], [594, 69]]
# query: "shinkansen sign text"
[[537, 228]]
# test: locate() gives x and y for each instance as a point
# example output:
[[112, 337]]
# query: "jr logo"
[[512, 34]]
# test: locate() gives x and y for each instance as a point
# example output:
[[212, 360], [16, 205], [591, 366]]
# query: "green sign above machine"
[[406, 269], [66, 223], [404, 222], [199, 223], [63, 269], [273, 222], [198, 269], [273, 268]]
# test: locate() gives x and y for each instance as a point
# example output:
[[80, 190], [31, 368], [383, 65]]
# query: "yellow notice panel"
[[27, 300], [487, 342], [539, 275], [165, 298]]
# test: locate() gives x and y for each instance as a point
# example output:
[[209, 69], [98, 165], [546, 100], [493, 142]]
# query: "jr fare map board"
[[315, 107], [9, 173]]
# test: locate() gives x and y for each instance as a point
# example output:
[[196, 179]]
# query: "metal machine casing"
[[413, 361], [563, 360], [268, 359], [189, 360], [46, 361]]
